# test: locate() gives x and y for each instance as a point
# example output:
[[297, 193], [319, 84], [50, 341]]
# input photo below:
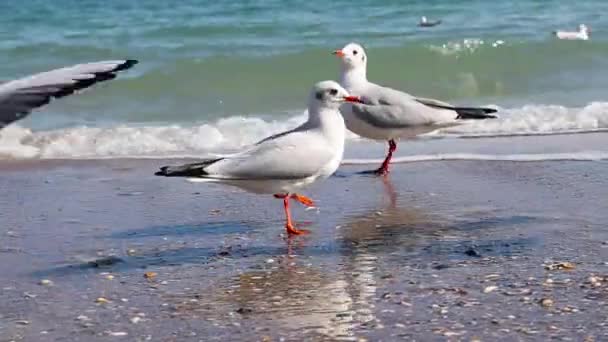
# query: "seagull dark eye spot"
[[355, 52], [333, 92], [319, 95]]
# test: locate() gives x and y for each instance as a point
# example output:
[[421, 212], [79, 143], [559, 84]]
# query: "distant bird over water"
[[426, 23], [581, 34]]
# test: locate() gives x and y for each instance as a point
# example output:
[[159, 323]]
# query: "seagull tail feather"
[[187, 170]]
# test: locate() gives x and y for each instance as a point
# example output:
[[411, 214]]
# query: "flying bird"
[[19, 97]]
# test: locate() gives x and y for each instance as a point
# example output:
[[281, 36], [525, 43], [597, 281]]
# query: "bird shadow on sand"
[[161, 256], [419, 232], [178, 252], [207, 228]]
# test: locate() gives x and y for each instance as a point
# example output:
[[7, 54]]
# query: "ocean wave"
[[535, 120], [138, 141], [228, 134]]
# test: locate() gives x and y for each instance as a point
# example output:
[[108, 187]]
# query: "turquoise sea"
[[217, 75]]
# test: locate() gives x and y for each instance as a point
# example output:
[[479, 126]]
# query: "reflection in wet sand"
[[333, 303], [287, 296], [366, 237], [338, 298], [297, 298]]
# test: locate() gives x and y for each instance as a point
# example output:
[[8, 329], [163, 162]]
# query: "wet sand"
[[438, 251]]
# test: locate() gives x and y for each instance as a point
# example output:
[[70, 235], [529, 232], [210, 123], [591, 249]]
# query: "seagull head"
[[583, 28], [352, 56], [329, 94]]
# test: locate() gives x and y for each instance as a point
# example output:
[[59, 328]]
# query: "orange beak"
[[338, 53], [355, 99]]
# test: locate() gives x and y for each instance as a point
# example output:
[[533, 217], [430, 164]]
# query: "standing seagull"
[[284, 163], [387, 114], [19, 97]]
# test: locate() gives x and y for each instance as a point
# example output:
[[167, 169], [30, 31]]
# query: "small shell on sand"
[[101, 300], [150, 275], [566, 265]]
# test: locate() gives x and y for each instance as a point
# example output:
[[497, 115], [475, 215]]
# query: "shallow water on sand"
[[414, 256]]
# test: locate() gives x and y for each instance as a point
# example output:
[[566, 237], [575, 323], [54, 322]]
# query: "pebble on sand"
[[560, 266], [490, 289], [546, 302], [46, 282], [595, 281]]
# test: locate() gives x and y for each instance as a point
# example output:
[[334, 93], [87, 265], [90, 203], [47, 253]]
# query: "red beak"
[[353, 99], [338, 53]]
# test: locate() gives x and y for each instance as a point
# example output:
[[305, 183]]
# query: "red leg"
[[392, 146], [291, 229]]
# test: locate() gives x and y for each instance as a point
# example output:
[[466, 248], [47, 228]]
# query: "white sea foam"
[[535, 120], [235, 132], [468, 45]]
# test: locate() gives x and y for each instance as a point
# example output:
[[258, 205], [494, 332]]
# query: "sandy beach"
[[485, 230], [462, 250]]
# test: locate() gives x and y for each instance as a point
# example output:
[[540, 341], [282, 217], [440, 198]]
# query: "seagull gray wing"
[[434, 103], [19, 97], [391, 109]]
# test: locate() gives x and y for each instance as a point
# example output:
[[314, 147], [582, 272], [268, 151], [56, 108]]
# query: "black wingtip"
[[162, 172], [127, 64]]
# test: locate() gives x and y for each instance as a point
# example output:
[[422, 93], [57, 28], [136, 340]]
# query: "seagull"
[[283, 163], [582, 34], [388, 114], [425, 23], [19, 97]]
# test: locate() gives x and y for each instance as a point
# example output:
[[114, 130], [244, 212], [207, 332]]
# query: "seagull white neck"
[[351, 77], [329, 121]]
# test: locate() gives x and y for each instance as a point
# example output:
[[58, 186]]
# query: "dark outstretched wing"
[[19, 97]]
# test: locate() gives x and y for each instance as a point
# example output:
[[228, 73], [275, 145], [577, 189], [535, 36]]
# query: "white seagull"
[[284, 163], [582, 34], [388, 114], [19, 97]]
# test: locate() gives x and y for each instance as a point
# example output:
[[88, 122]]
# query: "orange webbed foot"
[[291, 230], [304, 200]]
